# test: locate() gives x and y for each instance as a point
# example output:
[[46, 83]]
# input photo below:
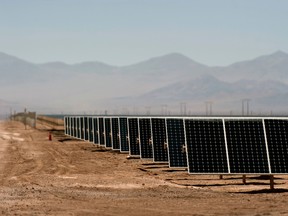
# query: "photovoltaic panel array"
[[107, 129], [206, 146], [176, 143], [277, 140], [145, 138], [123, 125], [115, 133], [160, 149], [133, 134]]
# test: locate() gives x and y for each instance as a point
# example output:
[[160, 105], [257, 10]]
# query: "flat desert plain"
[[66, 176]]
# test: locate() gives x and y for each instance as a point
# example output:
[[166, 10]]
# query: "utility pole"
[[245, 100], [208, 105], [164, 109], [183, 108]]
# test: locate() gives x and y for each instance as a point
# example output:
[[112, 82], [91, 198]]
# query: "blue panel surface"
[[206, 148], [134, 148], [246, 146], [176, 143], [277, 139], [123, 129], [160, 150], [145, 138]]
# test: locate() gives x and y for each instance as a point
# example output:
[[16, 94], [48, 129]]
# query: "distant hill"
[[268, 67], [169, 79]]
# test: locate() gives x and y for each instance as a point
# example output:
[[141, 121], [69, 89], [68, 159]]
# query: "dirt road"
[[71, 177]]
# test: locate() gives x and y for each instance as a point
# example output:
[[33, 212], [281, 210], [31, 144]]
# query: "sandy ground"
[[71, 177]]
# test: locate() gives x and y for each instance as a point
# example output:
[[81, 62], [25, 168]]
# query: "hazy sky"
[[122, 32]]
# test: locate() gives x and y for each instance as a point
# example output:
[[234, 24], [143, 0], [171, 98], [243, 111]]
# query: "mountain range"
[[164, 81]]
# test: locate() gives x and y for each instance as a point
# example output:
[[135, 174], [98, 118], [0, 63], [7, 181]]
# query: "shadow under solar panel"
[[123, 129], [133, 134], [160, 150], [277, 141], [246, 146], [206, 148], [145, 138], [176, 143]]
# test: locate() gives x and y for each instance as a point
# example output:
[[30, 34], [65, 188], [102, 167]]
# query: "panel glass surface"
[[95, 131], [72, 126], [90, 129], [277, 140], [176, 143], [108, 140], [101, 131], [145, 138], [246, 146], [123, 128], [66, 125], [115, 133], [86, 137], [78, 130], [134, 148], [206, 150], [160, 150], [82, 127], [69, 126]]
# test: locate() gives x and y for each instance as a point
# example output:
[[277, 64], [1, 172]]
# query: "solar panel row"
[[203, 145]]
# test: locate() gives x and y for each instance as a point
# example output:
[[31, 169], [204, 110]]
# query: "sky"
[[124, 32]]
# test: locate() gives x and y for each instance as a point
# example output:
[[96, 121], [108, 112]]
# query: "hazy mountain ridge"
[[167, 79]]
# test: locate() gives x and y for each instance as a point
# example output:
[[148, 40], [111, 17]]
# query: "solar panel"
[[133, 134], [86, 136], [81, 128], [123, 129], [176, 143], [69, 126], [277, 141], [160, 151], [90, 129], [66, 125], [145, 138], [72, 128], [107, 132], [115, 133], [101, 131], [78, 128], [246, 146], [95, 131], [206, 147]]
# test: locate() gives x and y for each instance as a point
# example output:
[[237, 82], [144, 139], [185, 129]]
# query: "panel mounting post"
[[271, 182], [244, 179]]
